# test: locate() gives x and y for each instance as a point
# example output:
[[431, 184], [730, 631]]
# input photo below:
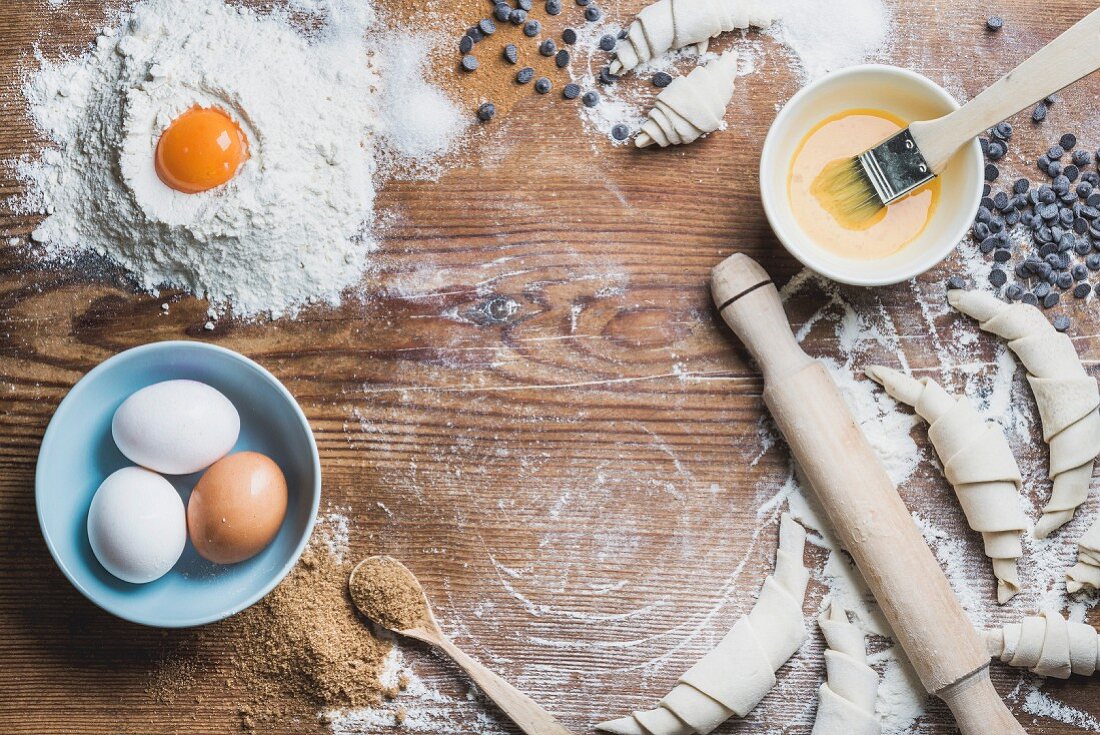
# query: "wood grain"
[[534, 406]]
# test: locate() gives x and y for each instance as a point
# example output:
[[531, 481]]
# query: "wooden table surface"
[[535, 406]]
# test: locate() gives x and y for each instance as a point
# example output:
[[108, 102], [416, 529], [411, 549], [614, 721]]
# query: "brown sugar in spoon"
[[385, 591]]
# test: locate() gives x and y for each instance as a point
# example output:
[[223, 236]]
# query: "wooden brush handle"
[[865, 509], [1060, 63]]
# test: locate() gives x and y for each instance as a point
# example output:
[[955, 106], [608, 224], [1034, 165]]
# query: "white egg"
[[176, 427], [137, 525]]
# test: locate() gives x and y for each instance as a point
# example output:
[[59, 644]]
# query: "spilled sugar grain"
[[849, 32], [420, 124]]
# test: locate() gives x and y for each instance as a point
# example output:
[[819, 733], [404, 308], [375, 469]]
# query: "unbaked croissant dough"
[[846, 701], [1067, 399], [672, 24], [733, 678], [978, 463], [1047, 645], [691, 106]]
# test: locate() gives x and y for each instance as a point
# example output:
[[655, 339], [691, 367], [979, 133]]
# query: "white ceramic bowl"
[[911, 97]]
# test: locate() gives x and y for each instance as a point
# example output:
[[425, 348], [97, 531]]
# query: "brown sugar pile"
[[388, 593], [299, 651], [305, 641]]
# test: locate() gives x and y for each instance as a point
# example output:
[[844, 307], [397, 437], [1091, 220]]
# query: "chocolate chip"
[[592, 14], [1068, 141], [1081, 290], [998, 277], [518, 16], [590, 99], [562, 59], [511, 54], [571, 91], [466, 45], [1002, 130], [662, 79], [1039, 113], [531, 28], [486, 111], [991, 172], [542, 85], [1062, 322], [1021, 186], [994, 23], [469, 63], [502, 12], [569, 36], [620, 132], [996, 150], [487, 26], [607, 43], [954, 283], [525, 5], [525, 75], [548, 47], [553, 7]]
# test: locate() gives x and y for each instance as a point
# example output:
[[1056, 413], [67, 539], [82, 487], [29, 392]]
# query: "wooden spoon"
[[523, 710]]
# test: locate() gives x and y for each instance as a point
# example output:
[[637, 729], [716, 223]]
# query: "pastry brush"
[[859, 187]]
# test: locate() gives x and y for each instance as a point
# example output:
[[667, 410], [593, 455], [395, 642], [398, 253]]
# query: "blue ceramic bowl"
[[78, 453]]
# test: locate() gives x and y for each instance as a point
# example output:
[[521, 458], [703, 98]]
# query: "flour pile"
[[292, 227]]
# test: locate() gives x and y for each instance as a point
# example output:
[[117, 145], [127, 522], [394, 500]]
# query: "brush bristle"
[[845, 190]]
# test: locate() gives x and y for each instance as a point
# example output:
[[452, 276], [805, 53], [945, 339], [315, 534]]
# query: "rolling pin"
[[862, 503]]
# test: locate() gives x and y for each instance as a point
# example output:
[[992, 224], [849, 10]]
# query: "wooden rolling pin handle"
[[869, 517], [977, 707]]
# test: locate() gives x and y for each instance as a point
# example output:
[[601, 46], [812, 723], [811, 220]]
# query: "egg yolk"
[[201, 149]]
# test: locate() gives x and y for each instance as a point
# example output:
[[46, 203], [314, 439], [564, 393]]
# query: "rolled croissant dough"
[[977, 462], [846, 701], [672, 24], [732, 678], [691, 106], [1047, 645], [1067, 398]]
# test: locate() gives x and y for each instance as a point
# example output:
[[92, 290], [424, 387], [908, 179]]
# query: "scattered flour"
[[292, 227], [864, 333], [1041, 704], [419, 708]]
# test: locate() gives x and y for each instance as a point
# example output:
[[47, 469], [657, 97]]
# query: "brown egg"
[[237, 507]]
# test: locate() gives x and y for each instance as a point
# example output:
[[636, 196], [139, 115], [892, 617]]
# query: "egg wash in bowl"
[[838, 116]]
